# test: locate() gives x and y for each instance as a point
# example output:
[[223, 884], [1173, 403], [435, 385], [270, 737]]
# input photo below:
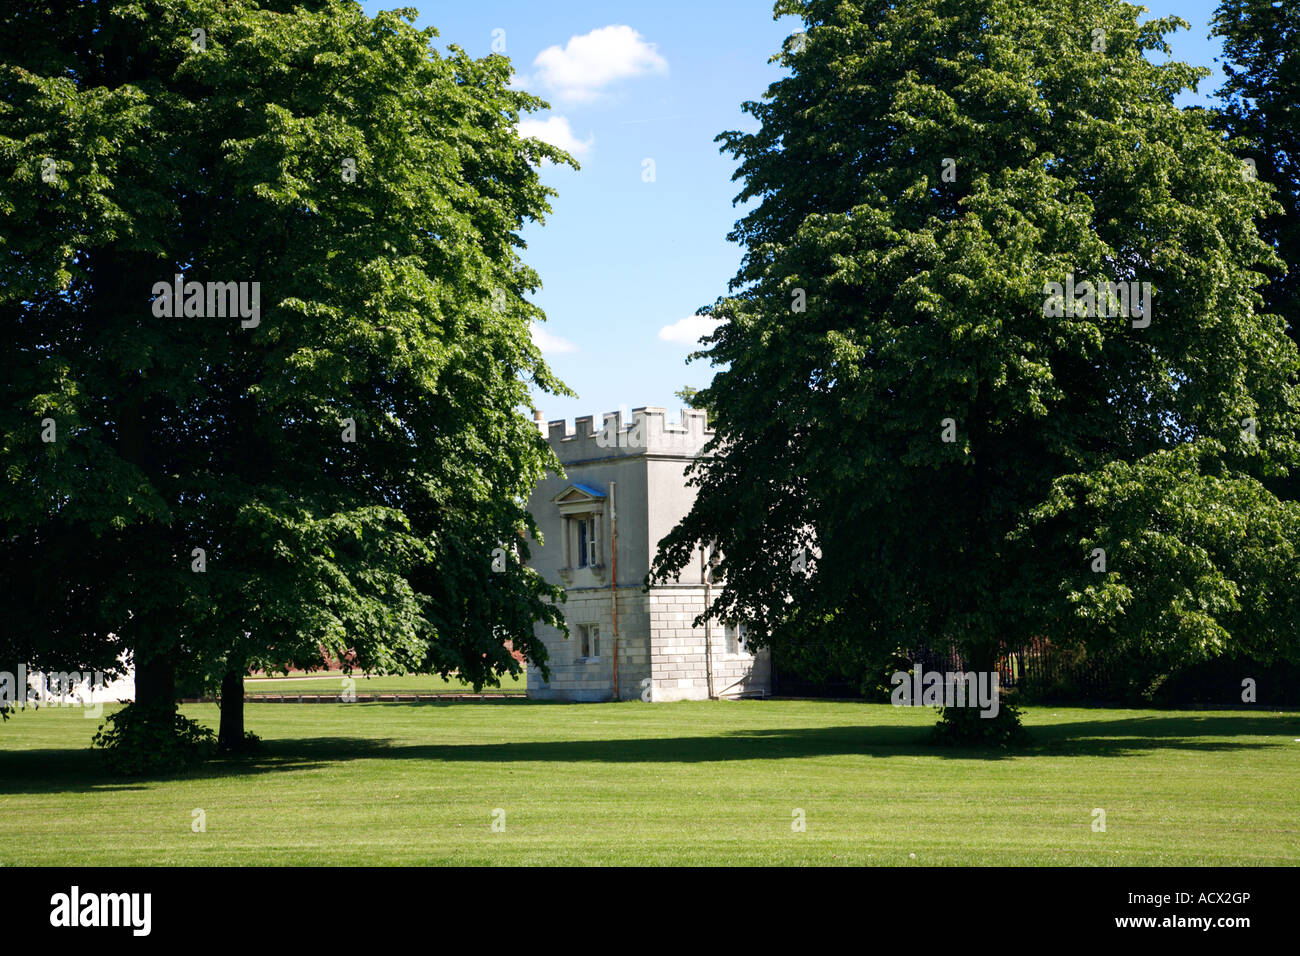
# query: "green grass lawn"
[[688, 783], [332, 684]]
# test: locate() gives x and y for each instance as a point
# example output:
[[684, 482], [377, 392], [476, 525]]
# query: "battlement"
[[649, 432]]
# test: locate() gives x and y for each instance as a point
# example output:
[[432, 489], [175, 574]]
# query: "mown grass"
[[687, 783], [333, 684]]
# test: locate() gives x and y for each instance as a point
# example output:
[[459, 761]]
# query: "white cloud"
[[550, 343], [556, 131], [586, 64], [689, 330]]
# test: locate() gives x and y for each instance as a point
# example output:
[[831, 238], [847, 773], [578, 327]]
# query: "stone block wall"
[[593, 680], [678, 655]]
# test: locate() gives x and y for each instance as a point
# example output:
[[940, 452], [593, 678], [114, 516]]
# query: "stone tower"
[[629, 477]]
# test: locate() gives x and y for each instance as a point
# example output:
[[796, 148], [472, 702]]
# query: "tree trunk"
[[155, 683], [230, 736]]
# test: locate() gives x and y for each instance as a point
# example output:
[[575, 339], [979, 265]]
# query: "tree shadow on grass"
[[50, 771], [81, 770], [1097, 738], [1123, 736]]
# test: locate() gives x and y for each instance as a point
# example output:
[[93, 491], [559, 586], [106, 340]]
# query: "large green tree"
[[344, 469], [1261, 44], [917, 443]]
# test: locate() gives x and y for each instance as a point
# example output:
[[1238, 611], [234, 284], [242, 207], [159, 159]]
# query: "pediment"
[[579, 499], [576, 494]]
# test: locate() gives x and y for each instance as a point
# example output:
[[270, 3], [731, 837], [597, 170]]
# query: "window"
[[582, 508], [586, 550], [588, 641], [736, 635]]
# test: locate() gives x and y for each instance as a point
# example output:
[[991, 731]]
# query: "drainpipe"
[[708, 642], [613, 577]]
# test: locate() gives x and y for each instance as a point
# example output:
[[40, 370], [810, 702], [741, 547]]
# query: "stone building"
[[624, 489]]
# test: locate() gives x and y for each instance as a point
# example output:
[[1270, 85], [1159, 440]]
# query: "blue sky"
[[623, 260]]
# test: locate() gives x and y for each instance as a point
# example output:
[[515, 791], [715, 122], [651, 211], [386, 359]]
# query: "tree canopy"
[[1261, 44], [919, 441], [334, 467]]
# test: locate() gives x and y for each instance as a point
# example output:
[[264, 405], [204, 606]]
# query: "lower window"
[[589, 640], [736, 634]]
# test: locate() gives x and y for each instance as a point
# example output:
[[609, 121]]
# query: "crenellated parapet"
[[648, 433]]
